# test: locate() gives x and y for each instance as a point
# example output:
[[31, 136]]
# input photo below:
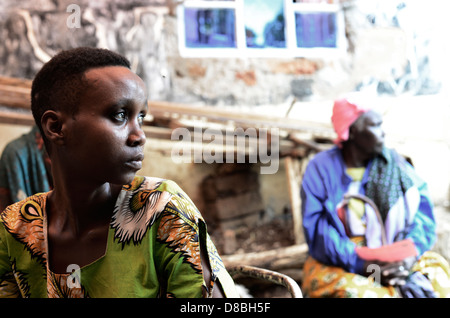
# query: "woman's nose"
[[136, 136], [382, 134]]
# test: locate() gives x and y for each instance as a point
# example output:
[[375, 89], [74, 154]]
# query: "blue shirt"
[[323, 187]]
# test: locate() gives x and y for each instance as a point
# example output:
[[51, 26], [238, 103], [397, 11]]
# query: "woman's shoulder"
[[327, 154], [144, 183], [326, 160], [27, 209], [179, 203], [167, 188], [24, 221], [143, 201]]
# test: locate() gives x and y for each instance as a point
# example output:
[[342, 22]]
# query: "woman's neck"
[[78, 206], [353, 157]]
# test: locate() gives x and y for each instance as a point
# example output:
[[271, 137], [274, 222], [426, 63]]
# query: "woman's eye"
[[120, 116], [141, 119]]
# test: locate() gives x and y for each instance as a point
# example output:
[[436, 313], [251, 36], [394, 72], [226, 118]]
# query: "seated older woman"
[[367, 217]]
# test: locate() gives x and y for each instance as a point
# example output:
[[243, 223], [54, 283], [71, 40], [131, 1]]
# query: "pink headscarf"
[[345, 112]]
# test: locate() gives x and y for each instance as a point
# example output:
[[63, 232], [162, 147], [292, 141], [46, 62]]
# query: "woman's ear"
[[351, 132], [354, 129], [52, 126]]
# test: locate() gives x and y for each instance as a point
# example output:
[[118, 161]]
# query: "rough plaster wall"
[[237, 81], [33, 31]]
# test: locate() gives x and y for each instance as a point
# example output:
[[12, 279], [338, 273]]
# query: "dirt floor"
[[263, 237], [258, 238]]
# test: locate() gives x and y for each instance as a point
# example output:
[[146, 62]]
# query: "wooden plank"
[[16, 118], [15, 96], [157, 132], [15, 81], [236, 117], [15, 92]]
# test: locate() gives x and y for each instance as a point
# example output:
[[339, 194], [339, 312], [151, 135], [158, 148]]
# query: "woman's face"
[[105, 140], [367, 133]]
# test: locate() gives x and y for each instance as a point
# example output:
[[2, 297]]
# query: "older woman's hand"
[[388, 273]]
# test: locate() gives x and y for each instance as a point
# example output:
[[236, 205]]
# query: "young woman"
[[102, 231]]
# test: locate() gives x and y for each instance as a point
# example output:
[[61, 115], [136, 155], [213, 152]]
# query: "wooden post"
[[292, 174]]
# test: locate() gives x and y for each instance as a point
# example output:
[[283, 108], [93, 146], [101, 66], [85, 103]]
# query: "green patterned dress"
[[153, 249]]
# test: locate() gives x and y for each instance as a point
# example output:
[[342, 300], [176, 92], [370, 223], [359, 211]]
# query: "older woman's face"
[[367, 133]]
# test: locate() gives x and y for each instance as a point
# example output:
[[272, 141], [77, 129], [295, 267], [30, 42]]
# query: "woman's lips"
[[136, 162]]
